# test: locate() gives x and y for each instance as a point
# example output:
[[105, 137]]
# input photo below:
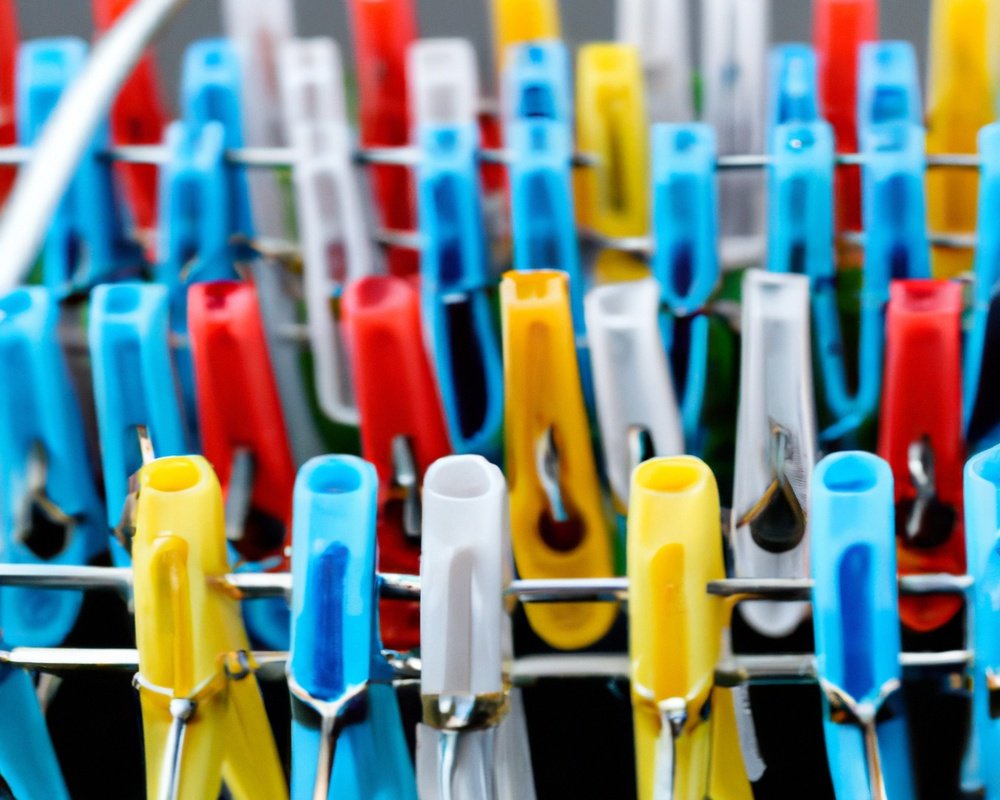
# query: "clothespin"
[[342, 696], [465, 636], [792, 94], [734, 52], [960, 101], [243, 435], [8, 88], [203, 716], [87, 243], [51, 511], [518, 21], [138, 117], [775, 443], [137, 399], [383, 31], [675, 633], [557, 520], [661, 31], [636, 404], [856, 625], [840, 27], [920, 435], [685, 258], [402, 425], [335, 246], [455, 269]]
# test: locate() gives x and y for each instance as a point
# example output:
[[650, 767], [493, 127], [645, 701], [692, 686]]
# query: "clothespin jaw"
[[50, 507], [775, 443], [137, 400], [856, 623], [793, 86], [455, 269], [519, 21], [335, 641], [402, 424], [86, 242], [920, 435], [203, 716], [557, 520]]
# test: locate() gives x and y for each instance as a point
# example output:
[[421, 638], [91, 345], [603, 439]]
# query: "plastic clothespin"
[[734, 54], [340, 684], [792, 93], [557, 519], [856, 623], [243, 435], [518, 21], [8, 88], [675, 634], [960, 101], [335, 244], [840, 27], [137, 399], [51, 510], [138, 117], [660, 29], [402, 425], [87, 242], [468, 708], [202, 712], [775, 443], [455, 271], [685, 258], [920, 435], [383, 31], [636, 404]]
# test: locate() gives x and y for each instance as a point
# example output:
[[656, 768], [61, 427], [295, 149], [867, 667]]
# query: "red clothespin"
[[920, 435], [239, 411], [402, 424], [8, 82], [383, 31], [839, 29], [137, 117]]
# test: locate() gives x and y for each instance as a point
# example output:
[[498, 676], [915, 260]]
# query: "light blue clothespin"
[[856, 622], [87, 240], [685, 252], [135, 393], [455, 270], [792, 95], [51, 513], [340, 684]]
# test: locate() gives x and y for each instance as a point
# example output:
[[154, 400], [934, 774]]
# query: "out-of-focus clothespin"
[[961, 99], [455, 271], [519, 21], [792, 87], [51, 510], [403, 429], [856, 623], [470, 712], [87, 242], [8, 88], [920, 435], [558, 521], [343, 701], [135, 393], [203, 716]]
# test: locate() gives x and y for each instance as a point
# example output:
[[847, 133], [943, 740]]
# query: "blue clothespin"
[[339, 681], [856, 622], [685, 252], [87, 240], [792, 94], [135, 393], [455, 269], [51, 513]]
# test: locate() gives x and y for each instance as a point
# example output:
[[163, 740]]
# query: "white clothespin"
[[636, 404], [661, 31], [445, 83], [466, 638], [734, 56], [775, 443], [335, 244]]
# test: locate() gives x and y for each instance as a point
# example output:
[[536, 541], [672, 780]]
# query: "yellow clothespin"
[[675, 635], [558, 523], [612, 125], [516, 21], [203, 716], [960, 101]]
